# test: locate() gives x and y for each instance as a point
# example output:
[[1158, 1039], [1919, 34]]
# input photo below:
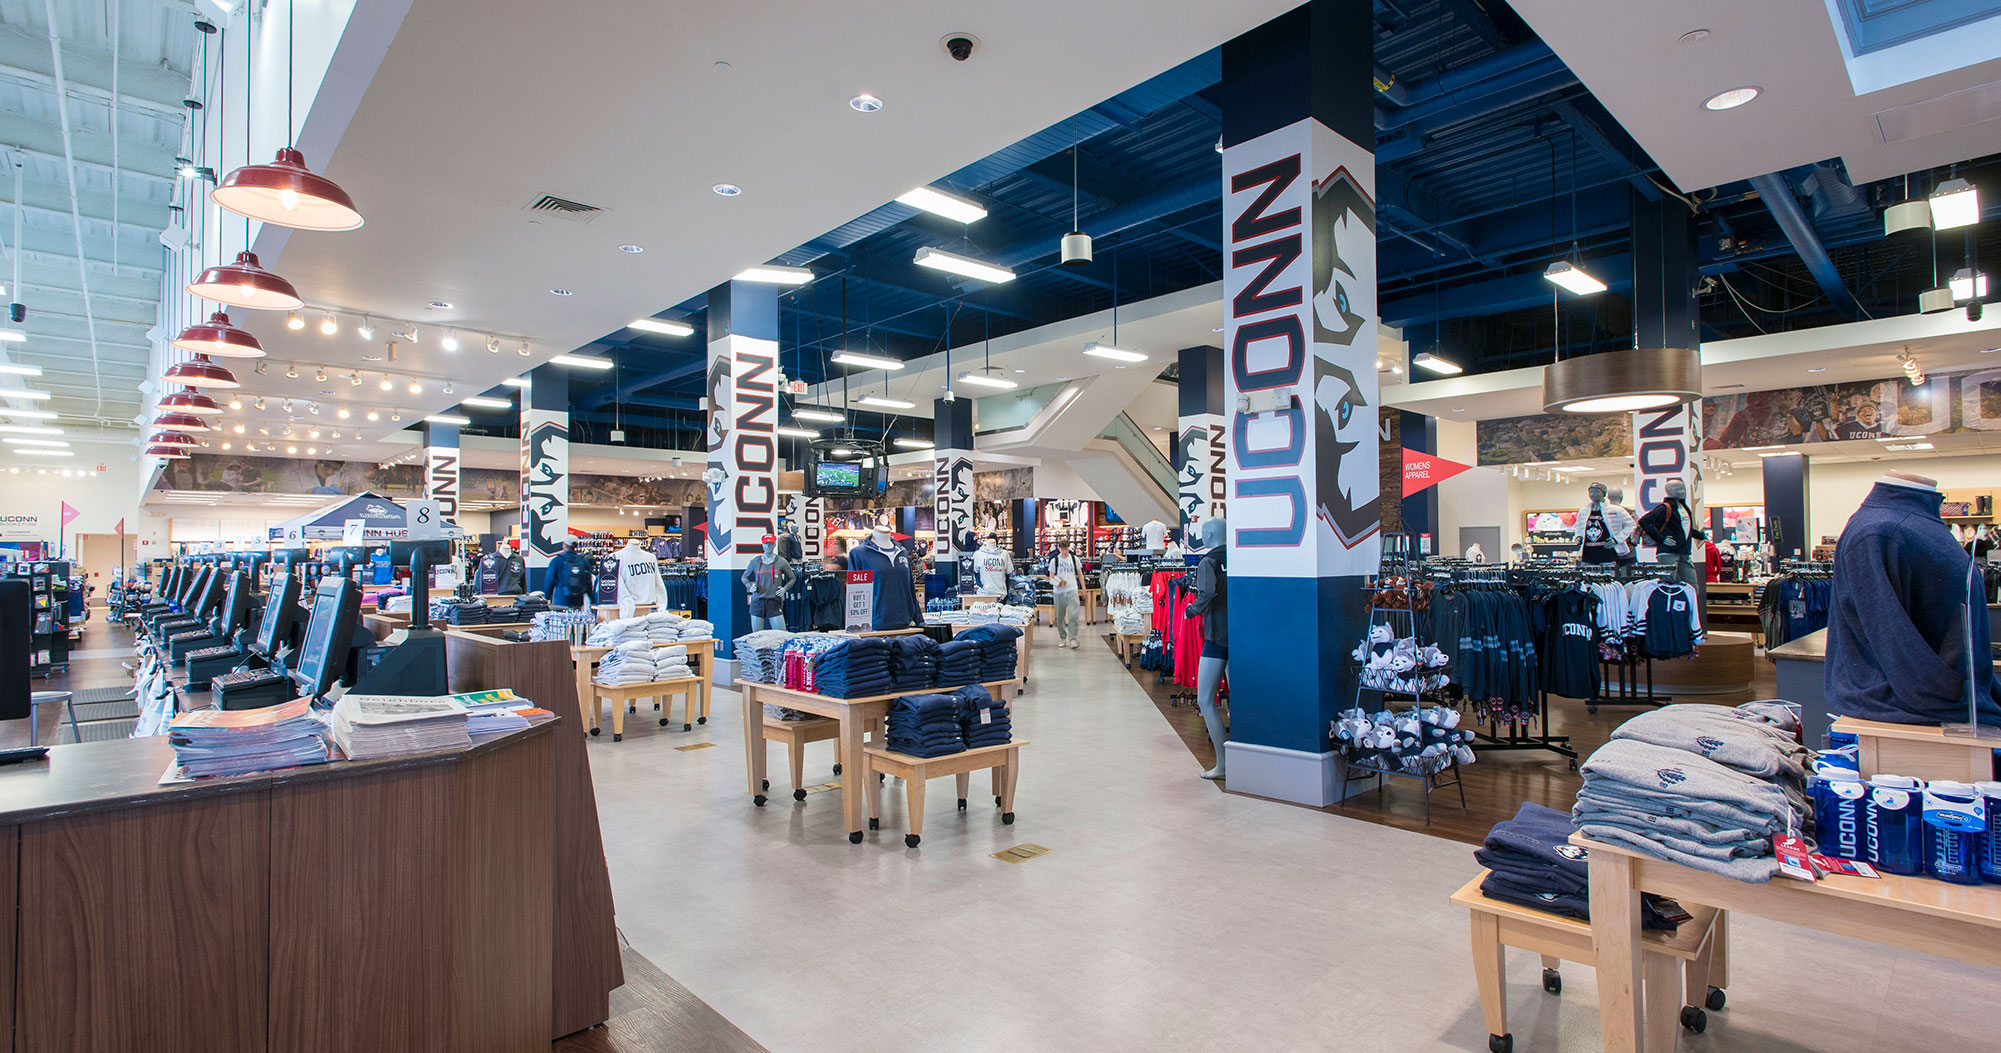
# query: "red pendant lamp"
[[182, 422], [188, 400], [173, 438], [167, 453], [199, 372], [217, 337], [285, 191], [245, 283]]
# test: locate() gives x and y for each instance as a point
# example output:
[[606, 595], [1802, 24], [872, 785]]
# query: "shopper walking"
[[567, 581], [1065, 575]]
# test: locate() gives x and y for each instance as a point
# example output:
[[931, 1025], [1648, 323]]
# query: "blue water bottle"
[[1955, 828], [1839, 801], [1990, 854], [1894, 824]]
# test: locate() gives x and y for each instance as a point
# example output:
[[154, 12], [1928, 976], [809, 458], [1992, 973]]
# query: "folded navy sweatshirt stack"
[[853, 668], [1534, 865], [913, 663], [959, 662], [996, 650], [983, 719], [925, 726]]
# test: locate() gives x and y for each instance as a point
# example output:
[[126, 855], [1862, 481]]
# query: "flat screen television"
[[836, 476], [846, 468]]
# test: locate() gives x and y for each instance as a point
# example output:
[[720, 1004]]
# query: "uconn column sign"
[[1302, 465]]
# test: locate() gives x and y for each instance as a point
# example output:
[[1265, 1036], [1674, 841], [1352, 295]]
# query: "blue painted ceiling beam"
[[1600, 142], [1777, 194]]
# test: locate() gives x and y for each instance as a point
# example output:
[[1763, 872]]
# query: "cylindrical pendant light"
[[182, 422], [219, 338], [1622, 381], [199, 372], [187, 400], [173, 438], [245, 283]]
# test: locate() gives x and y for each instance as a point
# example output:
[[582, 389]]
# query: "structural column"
[[441, 467], [1199, 446], [808, 515], [743, 445], [1302, 464], [952, 500], [545, 465], [1667, 444]]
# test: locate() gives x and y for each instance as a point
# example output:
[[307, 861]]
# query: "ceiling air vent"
[[574, 211]]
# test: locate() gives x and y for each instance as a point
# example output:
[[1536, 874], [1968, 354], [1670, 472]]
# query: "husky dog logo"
[[721, 514], [1194, 451], [1670, 776], [1571, 852], [1708, 744], [1344, 296], [548, 458]]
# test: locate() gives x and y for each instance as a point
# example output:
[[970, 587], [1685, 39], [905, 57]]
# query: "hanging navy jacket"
[[1897, 627]]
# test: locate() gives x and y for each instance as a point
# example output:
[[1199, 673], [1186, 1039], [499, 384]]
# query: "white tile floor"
[[1169, 915]]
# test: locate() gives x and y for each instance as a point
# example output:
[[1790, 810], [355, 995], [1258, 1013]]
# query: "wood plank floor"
[[1496, 784], [653, 1013]]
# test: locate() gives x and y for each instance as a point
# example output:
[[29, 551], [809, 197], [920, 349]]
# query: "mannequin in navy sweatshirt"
[[1897, 628], [1211, 605]]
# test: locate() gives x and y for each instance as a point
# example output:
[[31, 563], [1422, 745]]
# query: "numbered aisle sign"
[[424, 520], [295, 535], [861, 601], [354, 532]]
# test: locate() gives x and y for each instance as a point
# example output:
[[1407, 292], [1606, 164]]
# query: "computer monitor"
[[235, 604], [170, 582], [210, 596], [191, 586], [329, 635], [281, 612]]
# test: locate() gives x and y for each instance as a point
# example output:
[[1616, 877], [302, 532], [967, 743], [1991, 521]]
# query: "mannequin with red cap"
[[766, 578]]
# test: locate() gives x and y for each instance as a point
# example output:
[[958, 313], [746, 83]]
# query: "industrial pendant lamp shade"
[[167, 453], [219, 338], [199, 372], [1076, 249], [182, 422], [173, 438], [1908, 215], [287, 193], [187, 400], [245, 283], [1622, 381]]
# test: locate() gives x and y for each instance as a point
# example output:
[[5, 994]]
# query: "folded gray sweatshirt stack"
[[1723, 735], [1679, 805]]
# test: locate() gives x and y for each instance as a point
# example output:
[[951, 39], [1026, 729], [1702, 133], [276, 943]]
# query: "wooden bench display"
[[915, 771], [796, 734], [1698, 944], [1921, 750], [623, 697]]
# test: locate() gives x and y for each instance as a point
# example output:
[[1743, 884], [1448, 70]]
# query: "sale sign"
[[1421, 470]]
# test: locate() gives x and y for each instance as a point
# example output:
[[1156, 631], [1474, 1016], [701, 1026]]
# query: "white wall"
[[1057, 480], [101, 501], [1477, 497]]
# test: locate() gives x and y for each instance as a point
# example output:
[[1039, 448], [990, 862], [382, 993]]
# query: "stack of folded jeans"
[[853, 668], [1681, 806], [983, 719], [471, 612], [913, 663], [925, 726], [1534, 865], [760, 656], [527, 607], [628, 664], [959, 662], [996, 650]]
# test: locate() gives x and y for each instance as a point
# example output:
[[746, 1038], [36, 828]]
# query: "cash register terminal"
[[322, 656]]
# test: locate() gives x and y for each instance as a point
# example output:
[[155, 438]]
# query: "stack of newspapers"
[[366, 727], [212, 742]]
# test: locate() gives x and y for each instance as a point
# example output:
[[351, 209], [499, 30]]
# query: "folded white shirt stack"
[[624, 666], [618, 631], [696, 629]]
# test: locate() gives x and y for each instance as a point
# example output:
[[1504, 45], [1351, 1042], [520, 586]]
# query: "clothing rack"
[[1452, 570], [1626, 674]]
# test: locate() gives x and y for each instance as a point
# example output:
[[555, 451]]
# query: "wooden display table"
[[609, 611], [1005, 762], [1913, 913], [1094, 604], [1921, 750], [1724, 666], [623, 697], [857, 716], [701, 662], [1127, 645], [1046, 610]]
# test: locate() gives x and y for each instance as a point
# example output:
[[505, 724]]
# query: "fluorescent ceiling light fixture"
[[14, 441], [987, 380], [1912, 446], [1956, 203], [823, 416], [40, 452], [447, 418], [1572, 277], [1427, 360], [939, 203], [13, 369], [965, 266], [581, 362], [1965, 285], [482, 402], [888, 403], [28, 414], [28, 429], [796, 433], [37, 396], [663, 326], [1116, 354], [1731, 99], [849, 358], [515, 382], [12, 336], [915, 444], [1781, 453], [771, 274], [1755, 449]]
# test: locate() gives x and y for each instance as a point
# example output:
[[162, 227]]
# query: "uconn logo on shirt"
[[1577, 629], [1670, 776]]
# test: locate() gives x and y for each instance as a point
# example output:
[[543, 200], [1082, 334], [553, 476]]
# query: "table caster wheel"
[[881, 777], [1007, 818], [663, 722], [684, 727], [616, 737], [996, 800], [1552, 981], [962, 804], [837, 769], [633, 708], [1715, 998], [1501, 1043], [854, 837], [911, 840], [875, 824], [767, 784], [798, 795], [1573, 764], [656, 705], [758, 800], [701, 720], [1695, 1020], [1590, 709], [595, 731]]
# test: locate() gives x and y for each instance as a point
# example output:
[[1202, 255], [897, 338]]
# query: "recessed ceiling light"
[[727, 189], [1461, 409], [1730, 100], [438, 305], [1021, 370], [562, 292], [865, 103], [631, 248], [1816, 369], [1694, 35], [1218, 329]]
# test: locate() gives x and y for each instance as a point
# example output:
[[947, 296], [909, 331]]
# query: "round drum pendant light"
[[187, 400], [219, 338], [182, 422], [199, 372], [1623, 381], [287, 193], [246, 283], [167, 453], [173, 438]]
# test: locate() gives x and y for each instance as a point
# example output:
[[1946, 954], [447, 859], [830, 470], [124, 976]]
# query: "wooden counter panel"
[[361, 912], [10, 861], [503, 895], [114, 901]]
